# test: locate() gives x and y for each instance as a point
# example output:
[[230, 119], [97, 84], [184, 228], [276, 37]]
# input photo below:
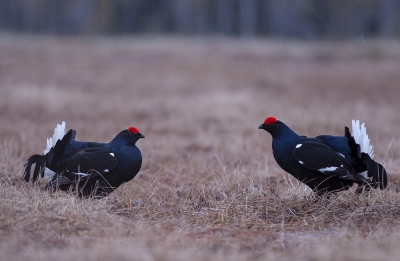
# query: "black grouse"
[[327, 163], [89, 169]]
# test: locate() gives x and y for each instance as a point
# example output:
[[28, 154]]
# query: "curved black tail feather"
[[376, 172], [28, 165], [379, 175], [40, 163]]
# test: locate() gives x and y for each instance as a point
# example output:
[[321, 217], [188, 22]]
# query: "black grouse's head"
[[129, 136], [272, 125]]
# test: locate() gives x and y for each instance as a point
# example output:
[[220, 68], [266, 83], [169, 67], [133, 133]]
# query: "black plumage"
[[88, 168], [326, 163]]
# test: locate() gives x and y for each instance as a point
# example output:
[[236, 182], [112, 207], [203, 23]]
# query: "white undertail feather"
[[364, 174], [360, 136], [59, 133], [48, 173]]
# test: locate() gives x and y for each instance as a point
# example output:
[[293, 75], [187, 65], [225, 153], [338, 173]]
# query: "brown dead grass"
[[209, 187]]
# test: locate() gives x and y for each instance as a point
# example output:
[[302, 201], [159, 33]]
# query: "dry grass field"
[[209, 188]]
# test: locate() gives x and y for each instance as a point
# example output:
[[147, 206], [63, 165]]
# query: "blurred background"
[[197, 77], [305, 19]]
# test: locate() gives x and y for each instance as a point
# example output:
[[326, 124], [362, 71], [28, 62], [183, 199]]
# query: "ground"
[[209, 187]]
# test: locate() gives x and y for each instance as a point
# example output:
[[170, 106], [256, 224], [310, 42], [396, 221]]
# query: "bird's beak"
[[141, 136], [262, 126]]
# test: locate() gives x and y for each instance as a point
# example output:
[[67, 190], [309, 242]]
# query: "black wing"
[[85, 164], [321, 158]]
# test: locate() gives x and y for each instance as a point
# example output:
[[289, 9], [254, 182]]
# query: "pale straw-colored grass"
[[209, 188]]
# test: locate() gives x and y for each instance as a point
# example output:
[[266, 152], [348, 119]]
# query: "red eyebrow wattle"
[[270, 120], [133, 129]]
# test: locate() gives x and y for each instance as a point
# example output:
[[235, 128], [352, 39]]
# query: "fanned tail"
[[41, 161], [59, 132], [359, 133], [363, 148]]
